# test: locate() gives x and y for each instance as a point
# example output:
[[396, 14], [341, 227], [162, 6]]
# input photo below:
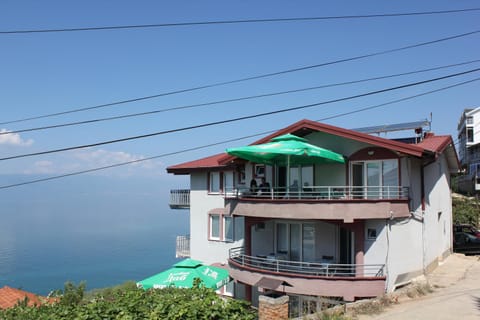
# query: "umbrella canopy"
[[287, 149], [183, 274]]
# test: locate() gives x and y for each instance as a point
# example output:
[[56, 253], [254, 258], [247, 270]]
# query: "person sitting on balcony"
[[253, 186], [294, 186], [264, 187]]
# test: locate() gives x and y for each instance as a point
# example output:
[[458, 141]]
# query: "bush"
[[129, 303]]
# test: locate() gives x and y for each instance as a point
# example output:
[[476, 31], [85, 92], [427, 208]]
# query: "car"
[[467, 228], [467, 243]]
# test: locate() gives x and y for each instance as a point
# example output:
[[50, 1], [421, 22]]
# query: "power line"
[[238, 118], [232, 100], [244, 21], [266, 75], [227, 141]]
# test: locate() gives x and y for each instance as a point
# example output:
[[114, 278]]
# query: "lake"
[[104, 231]]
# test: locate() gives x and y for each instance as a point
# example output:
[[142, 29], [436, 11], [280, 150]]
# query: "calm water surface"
[[102, 231]]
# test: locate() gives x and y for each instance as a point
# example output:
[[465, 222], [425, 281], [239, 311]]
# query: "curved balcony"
[[309, 278]]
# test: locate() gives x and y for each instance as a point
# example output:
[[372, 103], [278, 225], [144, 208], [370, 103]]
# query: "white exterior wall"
[[200, 204], [409, 246], [438, 211]]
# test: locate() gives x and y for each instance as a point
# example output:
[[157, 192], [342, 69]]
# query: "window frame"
[[222, 230]]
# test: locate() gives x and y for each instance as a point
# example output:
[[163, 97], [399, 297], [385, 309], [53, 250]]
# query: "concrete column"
[[359, 229], [270, 308]]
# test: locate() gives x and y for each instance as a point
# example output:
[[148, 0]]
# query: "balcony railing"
[[325, 193], [180, 199], [273, 265], [183, 247]]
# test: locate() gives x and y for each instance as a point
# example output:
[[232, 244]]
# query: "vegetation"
[[128, 303], [465, 211]]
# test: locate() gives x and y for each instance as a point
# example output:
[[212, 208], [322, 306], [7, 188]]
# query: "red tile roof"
[[9, 297], [435, 143], [187, 167], [431, 144]]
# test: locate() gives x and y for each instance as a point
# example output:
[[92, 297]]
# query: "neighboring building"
[[10, 297], [350, 231], [469, 150]]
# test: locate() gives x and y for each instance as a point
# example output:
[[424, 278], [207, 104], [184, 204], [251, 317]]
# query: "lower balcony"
[[348, 281], [182, 247], [179, 199]]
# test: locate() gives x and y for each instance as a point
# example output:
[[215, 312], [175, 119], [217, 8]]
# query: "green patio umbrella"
[[287, 149], [183, 274]]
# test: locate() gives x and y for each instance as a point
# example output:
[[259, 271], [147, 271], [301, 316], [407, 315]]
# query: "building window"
[[215, 227], [469, 134], [228, 228], [221, 228], [371, 234], [259, 171], [214, 182]]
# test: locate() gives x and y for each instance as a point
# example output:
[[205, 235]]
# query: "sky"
[[45, 73]]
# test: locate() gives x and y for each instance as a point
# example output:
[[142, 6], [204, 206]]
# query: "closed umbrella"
[[183, 275], [287, 149]]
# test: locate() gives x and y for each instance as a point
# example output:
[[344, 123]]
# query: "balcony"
[[310, 278], [182, 247], [328, 193], [180, 199], [347, 203]]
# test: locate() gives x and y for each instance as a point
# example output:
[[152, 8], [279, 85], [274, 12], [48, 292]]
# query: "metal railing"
[[325, 193], [180, 199], [183, 247], [270, 264]]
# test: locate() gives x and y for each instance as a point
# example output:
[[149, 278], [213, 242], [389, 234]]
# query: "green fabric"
[[284, 149], [183, 274]]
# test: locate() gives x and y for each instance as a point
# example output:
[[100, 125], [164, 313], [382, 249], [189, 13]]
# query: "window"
[[215, 227], [228, 228], [371, 234], [469, 134], [380, 178], [214, 182], [259, 170], [221, 228], [228, 182]]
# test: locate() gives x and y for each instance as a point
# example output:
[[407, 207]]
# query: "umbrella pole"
[[288, 176]]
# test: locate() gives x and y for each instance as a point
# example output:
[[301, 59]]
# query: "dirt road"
[[456, 294]]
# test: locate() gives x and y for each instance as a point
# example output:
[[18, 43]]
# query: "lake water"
[[103, 231]]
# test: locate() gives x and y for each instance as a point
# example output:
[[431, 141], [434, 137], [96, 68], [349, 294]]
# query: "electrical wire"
[[257, 115], [266, 75], [244, 21], [224, 141], [55, 126]]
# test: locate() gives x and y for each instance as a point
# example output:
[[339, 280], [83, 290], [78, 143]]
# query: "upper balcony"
[[179, 199], [347, 203], [322, 193]]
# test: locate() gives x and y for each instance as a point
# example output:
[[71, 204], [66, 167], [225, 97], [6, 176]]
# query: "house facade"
[[339, 230], [469, 150]]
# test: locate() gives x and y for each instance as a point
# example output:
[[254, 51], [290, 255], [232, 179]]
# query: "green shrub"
[[130, 303]]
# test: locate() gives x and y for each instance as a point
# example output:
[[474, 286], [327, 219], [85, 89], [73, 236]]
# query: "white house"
[[351, 230], [469, 150]]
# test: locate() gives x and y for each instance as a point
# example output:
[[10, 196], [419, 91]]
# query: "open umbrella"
[[286, 150], [183, 274]]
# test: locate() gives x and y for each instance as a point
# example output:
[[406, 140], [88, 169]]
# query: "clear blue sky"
[[54, 72]]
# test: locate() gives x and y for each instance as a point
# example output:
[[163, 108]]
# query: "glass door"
[[357, 180], [374, 181], [288, 241]]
